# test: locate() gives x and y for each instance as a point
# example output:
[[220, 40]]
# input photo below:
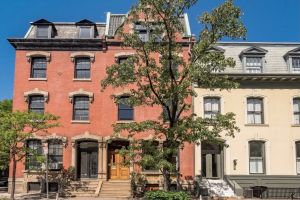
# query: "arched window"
[[256, 157]]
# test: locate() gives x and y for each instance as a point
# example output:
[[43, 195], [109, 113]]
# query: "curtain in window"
[[253, 64], [55, 154], [296, 108], [256, 157], [211, 107], [296, 64], [254, 110]]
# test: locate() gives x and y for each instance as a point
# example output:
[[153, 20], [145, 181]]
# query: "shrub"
[[162, 195]]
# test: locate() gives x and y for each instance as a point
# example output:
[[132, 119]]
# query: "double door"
[[88, 157], [118, 170]]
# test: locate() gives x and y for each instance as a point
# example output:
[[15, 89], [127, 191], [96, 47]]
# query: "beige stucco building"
[[266, 151]]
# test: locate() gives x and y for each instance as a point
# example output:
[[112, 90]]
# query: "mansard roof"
[[115, 21]]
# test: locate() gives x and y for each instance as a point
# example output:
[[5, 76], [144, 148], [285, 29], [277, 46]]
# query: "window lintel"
[[33, 54], [81, 92], [36, 91], [75, 55]]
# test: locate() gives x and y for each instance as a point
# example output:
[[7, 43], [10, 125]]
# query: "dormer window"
[[42, 31], [253, 59], [146, 33], [85, 32], [253, 64], [295, 64]]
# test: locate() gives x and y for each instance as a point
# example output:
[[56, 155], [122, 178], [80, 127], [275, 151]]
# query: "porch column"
[[102, 160], [74, 155], [208, 165], [219, 165]]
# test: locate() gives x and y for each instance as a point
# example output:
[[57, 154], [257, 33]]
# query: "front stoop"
[[118, 190], [83, 188]]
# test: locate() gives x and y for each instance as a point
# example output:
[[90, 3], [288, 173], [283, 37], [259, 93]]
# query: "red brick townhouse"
[[58, 69]]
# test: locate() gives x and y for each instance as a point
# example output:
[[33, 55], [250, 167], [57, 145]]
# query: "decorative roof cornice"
[[58, 44]]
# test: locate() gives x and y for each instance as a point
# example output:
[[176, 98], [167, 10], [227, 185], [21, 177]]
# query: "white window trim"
[[292, 110], [201, 103], [253, 56], [267, 155], [265, 109], [290, 64]]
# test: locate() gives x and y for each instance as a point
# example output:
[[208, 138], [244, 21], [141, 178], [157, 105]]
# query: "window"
[[38, 67], [125, 111], [145, 33], [85, 32], [255, 111], [211, 107], [35, 147], [81, 108], [254, 64], [296, 110], [256, 157], [296, 64], [83, 68], [37, 104], [151, 148], [298, 157], [122, 60], [55, 154], [42, 32]]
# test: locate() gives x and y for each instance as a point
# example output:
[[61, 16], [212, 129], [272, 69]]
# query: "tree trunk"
[[166, 176], [13, 183]]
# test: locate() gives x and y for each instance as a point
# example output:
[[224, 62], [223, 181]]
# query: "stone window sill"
[[259, 125], [124, 121], [80, 122], [82, 80], [37, 79], [151, 172]]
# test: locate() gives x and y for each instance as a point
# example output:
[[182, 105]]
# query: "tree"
[[156, 82], [6, 105], [16, 128]]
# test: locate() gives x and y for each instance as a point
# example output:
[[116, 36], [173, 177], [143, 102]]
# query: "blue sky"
[[266, 20]]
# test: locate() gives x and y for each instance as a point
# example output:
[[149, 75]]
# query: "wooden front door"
[[117, 169]]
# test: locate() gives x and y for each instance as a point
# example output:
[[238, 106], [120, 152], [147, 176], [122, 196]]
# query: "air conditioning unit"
[[55, 166], [248, 193]]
